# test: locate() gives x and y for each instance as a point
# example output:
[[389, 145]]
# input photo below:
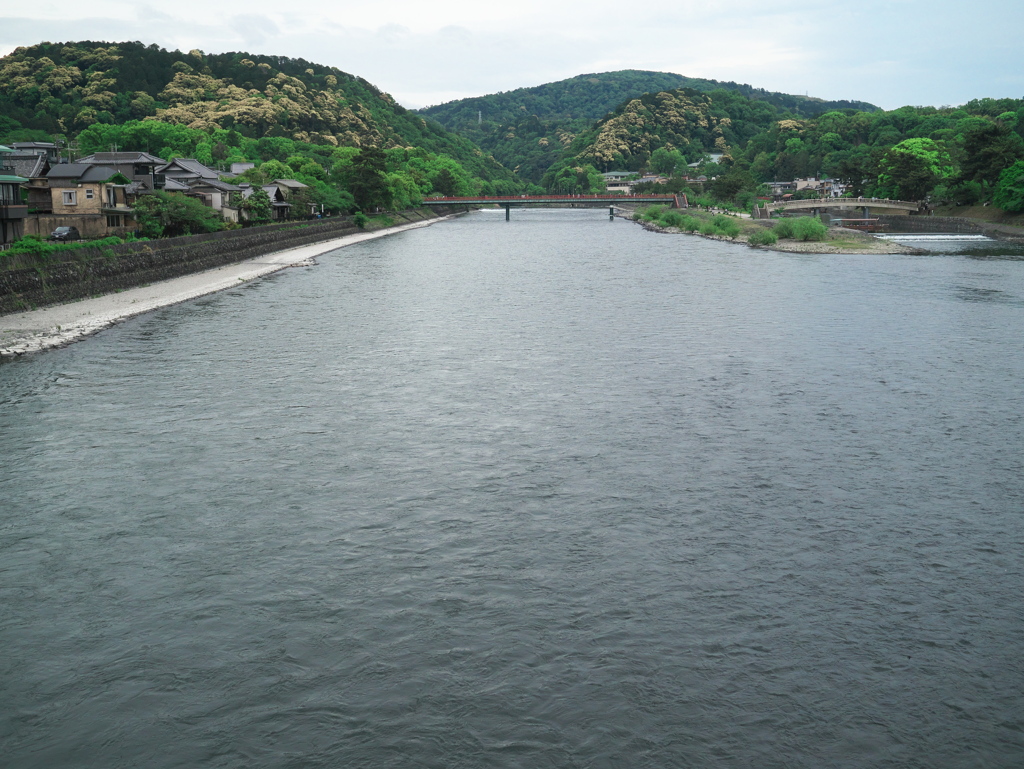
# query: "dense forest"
[[66, 88], [949, 156], [528, 129]]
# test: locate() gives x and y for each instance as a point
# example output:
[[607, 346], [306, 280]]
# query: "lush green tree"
[[988, 149], [257, 207], [164, 214], [666, 162], [368, 183], [1009, 194], [728, 185], [275, 169], [910, 169]]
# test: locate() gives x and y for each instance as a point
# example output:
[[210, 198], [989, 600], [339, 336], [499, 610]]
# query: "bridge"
[[507, 201], [820, 204]]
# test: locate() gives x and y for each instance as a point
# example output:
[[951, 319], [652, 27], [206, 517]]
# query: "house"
[[94, 198], [280, 207], [290, 187], [49, 150], [13, 210], [779, 189], [33, 167], [137, 166], [188, 170], [220, 196]]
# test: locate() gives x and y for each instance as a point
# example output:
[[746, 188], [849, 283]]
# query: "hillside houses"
[[97, 193]]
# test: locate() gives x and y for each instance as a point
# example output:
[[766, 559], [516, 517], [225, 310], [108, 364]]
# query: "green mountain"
[[67, 88], [529, 129]]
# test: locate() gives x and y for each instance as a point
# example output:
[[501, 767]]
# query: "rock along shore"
[[60, 325]]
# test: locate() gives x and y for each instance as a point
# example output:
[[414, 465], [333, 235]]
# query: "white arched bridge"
[[822, 204], [508, 201]]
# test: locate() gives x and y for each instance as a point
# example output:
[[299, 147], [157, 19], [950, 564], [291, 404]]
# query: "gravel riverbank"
[[60, 325], [842, 241]]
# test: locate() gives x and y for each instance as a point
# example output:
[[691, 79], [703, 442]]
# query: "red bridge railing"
[[527, 198]]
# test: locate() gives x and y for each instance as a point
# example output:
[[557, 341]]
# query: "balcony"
[[13, 211]]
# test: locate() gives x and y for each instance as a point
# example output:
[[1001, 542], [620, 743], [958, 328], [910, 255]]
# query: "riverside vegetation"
[[357, 149], [808, 230]]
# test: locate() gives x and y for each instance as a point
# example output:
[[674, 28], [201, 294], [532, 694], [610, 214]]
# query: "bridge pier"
[[611, 212], [508, 212], [865, 212]]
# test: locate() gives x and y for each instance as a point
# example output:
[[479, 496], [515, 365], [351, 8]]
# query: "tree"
[[666, 162], [988, 150], [368, 181], [1009, 194], [727, 186], [257, 207], [912, 168], [163, 214]]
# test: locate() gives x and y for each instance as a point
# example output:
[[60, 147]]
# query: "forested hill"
[[66, 88], [590, 97], [529, 129]]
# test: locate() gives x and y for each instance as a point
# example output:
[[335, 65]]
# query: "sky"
[[892, 53]]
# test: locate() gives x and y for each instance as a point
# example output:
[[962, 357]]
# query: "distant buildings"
[[97, 193], [807, 188]]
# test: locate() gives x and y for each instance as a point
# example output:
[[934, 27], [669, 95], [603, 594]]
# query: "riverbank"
[[840, 240], [63, 324]]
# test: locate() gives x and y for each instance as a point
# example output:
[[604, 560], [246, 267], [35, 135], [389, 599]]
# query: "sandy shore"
[[27, 332]]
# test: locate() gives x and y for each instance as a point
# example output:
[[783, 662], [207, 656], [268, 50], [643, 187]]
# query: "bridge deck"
[[676, 201], [904, 205]]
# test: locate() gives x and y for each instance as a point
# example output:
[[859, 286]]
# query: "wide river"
[[557, 492]]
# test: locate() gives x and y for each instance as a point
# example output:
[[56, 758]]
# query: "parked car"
[[65, 233]]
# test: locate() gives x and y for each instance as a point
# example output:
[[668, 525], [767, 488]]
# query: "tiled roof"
[[83, 172], [26, 163], [123, 157], [68, 170], [191, 166], [173, 185], [216, 184]]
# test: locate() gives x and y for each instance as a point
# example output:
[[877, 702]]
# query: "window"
[[113, 221], [88, 194], [70, 197]]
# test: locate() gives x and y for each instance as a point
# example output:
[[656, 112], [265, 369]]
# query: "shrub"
[[673, 219], [809, 228], [729, 228], [721, 221], [763, 237], [708, 228], [360, 219], [35, 245], [691, 223], [784, 228]]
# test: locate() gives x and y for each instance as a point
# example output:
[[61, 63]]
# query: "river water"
[[558, 492]]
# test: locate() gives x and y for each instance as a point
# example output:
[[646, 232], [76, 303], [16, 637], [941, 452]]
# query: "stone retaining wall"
[[29, 282], [943, 224]]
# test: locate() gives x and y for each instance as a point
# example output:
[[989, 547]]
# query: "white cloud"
[[889, 53]]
